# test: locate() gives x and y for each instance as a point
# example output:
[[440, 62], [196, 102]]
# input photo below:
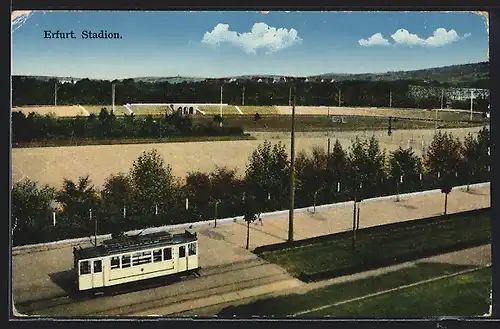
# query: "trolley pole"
[[292, 174]]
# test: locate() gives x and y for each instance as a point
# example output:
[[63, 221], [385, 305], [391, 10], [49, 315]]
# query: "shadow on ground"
[[475, 192], [65, 280]]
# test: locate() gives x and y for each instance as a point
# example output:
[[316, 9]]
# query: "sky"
[[230, 43]]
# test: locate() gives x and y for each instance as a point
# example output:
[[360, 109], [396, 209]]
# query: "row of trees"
[[35, 127], [399, 93], [149, 195]]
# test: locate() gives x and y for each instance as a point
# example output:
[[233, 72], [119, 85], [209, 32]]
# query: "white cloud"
[[375, 40], [440, 37], [261, 36]]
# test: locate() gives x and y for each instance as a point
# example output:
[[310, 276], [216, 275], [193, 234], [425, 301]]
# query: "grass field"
[[462, 295], [323, 123], [289, 305], [411, 113], [262, 110], [376, 246]]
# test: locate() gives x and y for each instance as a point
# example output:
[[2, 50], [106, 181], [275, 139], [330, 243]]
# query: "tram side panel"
[[139, 265]]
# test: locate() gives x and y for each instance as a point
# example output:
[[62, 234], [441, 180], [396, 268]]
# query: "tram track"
[[62, 304]]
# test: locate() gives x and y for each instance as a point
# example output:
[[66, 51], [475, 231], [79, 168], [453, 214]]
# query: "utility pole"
[[471, 103], [243, 96], [221, 104], [290, 96], [113, 97], [436, 122], [354, 213], [292, 174], [339, 96], [390, 98], [215, 212], [328, 149], [55, 93], [442, 98]]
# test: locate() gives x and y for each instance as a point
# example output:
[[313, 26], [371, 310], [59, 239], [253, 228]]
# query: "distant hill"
[[450, 74], [177, 79], [475, 75]]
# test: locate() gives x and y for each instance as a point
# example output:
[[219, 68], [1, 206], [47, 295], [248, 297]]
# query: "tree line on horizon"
[[149, 195], [32, 91], [36, 127]]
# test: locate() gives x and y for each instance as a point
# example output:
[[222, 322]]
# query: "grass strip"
[[83, 142], [462, 295], [282, 306], [382, 246]]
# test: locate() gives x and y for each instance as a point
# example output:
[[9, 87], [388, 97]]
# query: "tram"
[[127, 259]]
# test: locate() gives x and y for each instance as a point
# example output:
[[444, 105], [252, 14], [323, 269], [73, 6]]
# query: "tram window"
[[182, 251], [115, 262], [157, 255], [141, 258], [125, 261], [192, 249], [167, 254], [84, 267], [98, 266]]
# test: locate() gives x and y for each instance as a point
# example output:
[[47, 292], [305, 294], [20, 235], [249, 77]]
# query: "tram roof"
[[128, 243]]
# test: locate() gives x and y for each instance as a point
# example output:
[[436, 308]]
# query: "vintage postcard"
[[273, 164]]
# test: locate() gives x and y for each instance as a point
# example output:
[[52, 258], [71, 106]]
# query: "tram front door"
[[97, 274]]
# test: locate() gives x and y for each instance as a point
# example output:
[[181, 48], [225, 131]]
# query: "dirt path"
[[50, 165]]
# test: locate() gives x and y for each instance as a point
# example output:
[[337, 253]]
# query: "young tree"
[[250, 215], [484, 157], [78, 199], [103, 114], [312, 175], [117, 195], [405, 164], [153, 184], [31, 211], [198, 190], [443, 156], [337, 170], [446, 187], [366, 162], [267, 172]]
